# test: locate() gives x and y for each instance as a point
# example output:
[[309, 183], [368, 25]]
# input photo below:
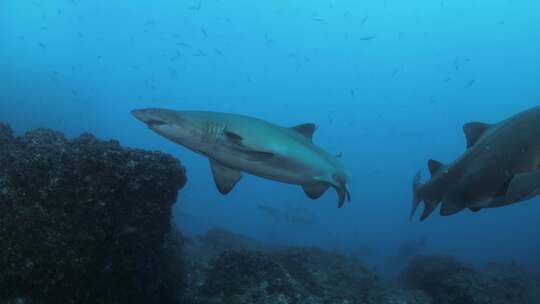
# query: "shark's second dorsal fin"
[[434, 166], [306, 130], [473, 132]]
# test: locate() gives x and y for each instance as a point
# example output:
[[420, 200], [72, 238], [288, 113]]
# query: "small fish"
[[470, 83], [183, 44], [218, 51], [364, 20], [205, 34], [367, 38], [353, 94], [267, 38], [318, 18], [196, 7], [42, 45], [394, 73], [200, 53], [456, 65]]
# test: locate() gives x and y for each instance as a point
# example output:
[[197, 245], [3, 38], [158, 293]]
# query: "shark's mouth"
[[155, 123]]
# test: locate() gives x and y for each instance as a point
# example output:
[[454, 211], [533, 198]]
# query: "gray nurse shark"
[[501, 166], [236, 143]]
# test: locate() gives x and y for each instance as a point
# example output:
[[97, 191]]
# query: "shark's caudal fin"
[[416, 198], [343, 194]]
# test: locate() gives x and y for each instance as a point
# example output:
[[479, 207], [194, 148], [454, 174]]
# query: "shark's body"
[[500, 167], [236, 143]]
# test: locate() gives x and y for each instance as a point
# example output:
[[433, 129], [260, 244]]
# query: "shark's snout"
[[148, 117]]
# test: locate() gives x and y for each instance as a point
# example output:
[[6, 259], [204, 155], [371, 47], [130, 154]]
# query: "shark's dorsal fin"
[[225, 178], [474, 131], [434, 166], [306, 130]]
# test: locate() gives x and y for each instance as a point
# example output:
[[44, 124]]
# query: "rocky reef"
[[86, 221], [251, 273], [449, 281]]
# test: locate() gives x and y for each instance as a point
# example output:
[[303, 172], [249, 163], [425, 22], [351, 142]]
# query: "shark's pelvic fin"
[[474, 131], [225, 178], [306, 130], [450, 207], [315, 190], [434, 166]]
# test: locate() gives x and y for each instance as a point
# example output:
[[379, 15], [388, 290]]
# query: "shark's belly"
[[277, 169], [485, 180]]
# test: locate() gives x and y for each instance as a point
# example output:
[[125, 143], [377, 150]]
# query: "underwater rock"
[[249, 277], [427, 272], [289, 275], [85, 220], [332, 277], [448, 281]]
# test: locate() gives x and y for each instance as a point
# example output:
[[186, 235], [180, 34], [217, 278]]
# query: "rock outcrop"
[[86, 221]]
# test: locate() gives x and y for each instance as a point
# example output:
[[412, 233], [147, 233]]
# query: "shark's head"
[[174, 125]]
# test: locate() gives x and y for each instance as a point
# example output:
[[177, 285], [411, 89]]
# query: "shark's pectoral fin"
[[523, 186], [450, 207], [475, 209], [315, 190], [224, 177]]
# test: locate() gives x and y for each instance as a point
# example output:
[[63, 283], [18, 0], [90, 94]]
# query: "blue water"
[[389, 83]]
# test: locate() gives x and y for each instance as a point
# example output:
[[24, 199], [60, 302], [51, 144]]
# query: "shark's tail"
[[343, 193], [416, 198]]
